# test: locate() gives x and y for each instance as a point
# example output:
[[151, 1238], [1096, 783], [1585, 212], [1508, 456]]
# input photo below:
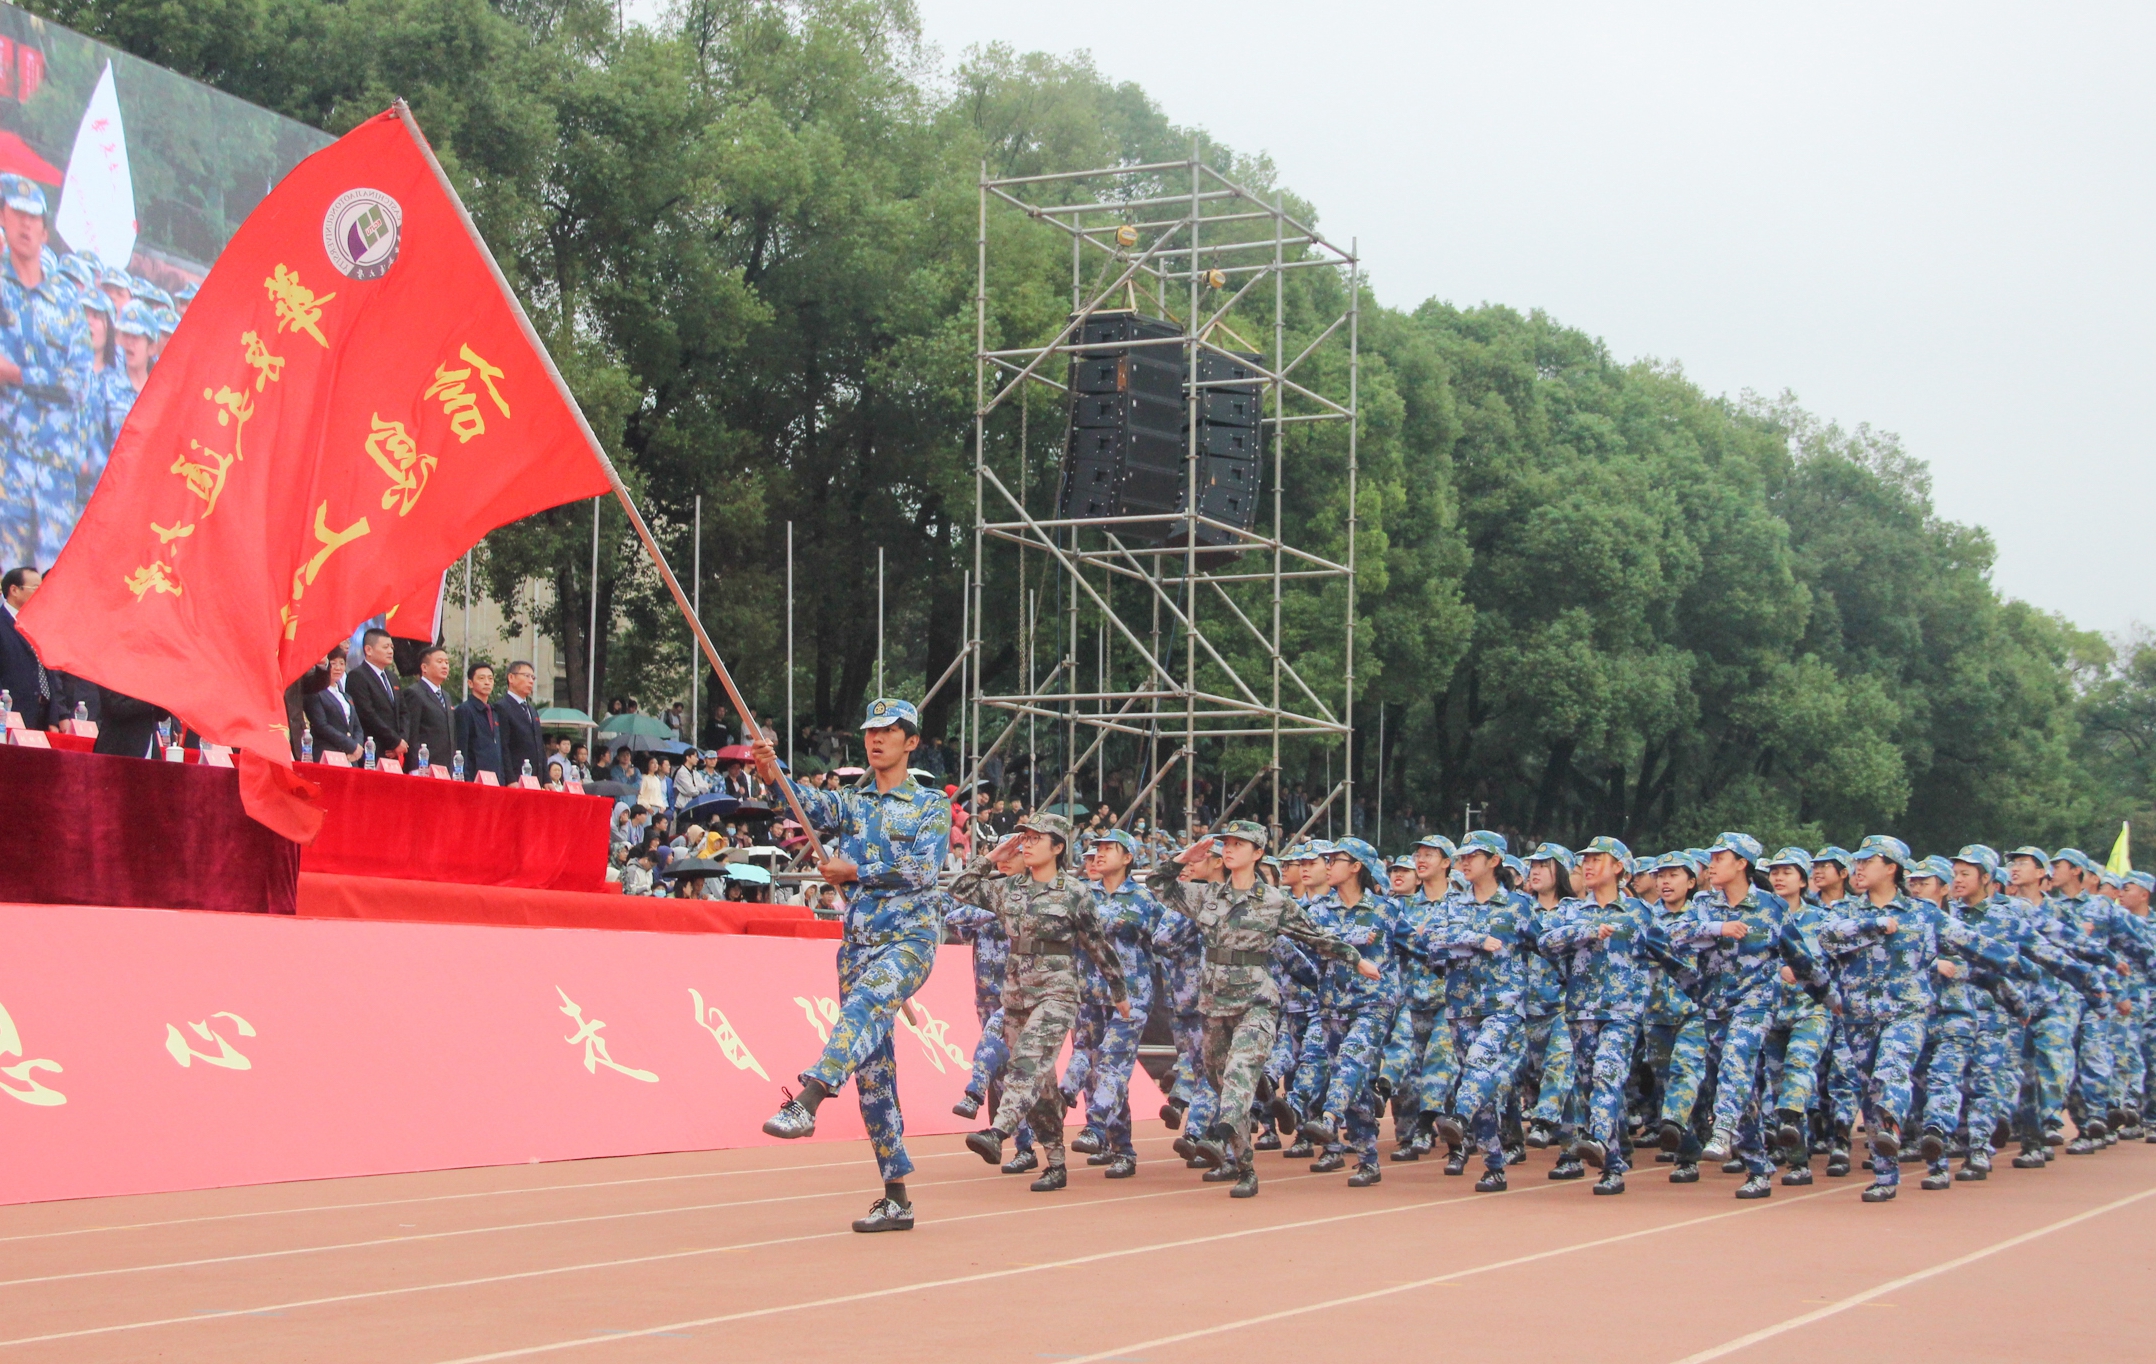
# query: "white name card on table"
[[387, 765], [27, 738], [14, 720], [439, 772], [175, 754], [489, 779], [216, 755], [335, 759], [86, 728], [528, 783]]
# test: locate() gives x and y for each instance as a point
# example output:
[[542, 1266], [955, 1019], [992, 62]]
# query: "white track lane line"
[[516, 1226], [373, 1294], [985, 1276], [1730, 1347], [1435, 1279], [482, 1193]]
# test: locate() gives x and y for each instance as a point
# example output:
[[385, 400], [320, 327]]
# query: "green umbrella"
[[563, 715], [638, 723]]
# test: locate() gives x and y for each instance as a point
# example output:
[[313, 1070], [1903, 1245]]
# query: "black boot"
[[1567, 1168], [1053, 1178], [1684, 1172], [1365, 1175], [1025, 1162], [1269, 1142], [1611, 1182], [987, 1144], [1456, 1163], [1492, 1182], [1327, 1163], [1879, 1193], [1246, 1183], [1757, 1186], [1121, 1166], [1301, 1150]]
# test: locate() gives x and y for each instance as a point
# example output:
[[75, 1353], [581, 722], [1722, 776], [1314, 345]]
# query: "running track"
[[745, 1255]]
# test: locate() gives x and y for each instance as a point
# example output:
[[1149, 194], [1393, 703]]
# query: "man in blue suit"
[[479, 729]]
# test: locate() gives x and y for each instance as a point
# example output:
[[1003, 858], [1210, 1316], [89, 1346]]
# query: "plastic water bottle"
[[306, 742], [368, 760], [7, 703], [421, 765], [456, 765], [527, 767], [82, 712]]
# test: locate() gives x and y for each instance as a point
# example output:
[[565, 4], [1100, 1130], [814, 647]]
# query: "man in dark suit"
[[479, 730], [429, 720], [332, 716], [127, 727], [21, 676], [520, 725], [374, 695]]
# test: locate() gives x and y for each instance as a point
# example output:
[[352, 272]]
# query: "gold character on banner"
[[731, 1046], [395, 453], [595, 1053], [227, 1056], [203, 480], [37, 1095], [461, 405], [932, 1031], [151, 577], [167, 534], [298, 309], [824, 1005], [268, 368]]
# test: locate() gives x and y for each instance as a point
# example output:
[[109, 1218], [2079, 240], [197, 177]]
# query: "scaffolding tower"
[[1183, 647]]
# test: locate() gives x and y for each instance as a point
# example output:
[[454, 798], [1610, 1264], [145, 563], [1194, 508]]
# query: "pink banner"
[[145, 1050]]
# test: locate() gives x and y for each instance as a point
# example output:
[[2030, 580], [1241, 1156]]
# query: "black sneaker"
[[1758, 1186], [1568, 1168], [1405, 1153], [1879, 1193], [1053, 1178], [1976, 1167], [1425, 1141], [1185, 1147], [1733, 1166], [1540, 1132], [1171, 1113], [2031, 1158], [1515, 1155], [1492, 1182], [988, 1145], [1930, 1145], [1284, 1115], [1590, 1151], [1246, 1185], [1269, 1142], [1937, 1180], [967, 1107], [1088, 1142], [1665, 1157], [2079, 1146], [1838, 1163], [1301, 1150], [1364, 1176], [1212, 1154], [1025, 1162], [1450, 1130], [1221, 1175], [885, 1215], [1456, 1163], [1100, 1158], [792, 1121], [1320, 1129], [1671, 1136], [1327, 1163], [1789, 1131], [1685, 1172], [1611, 1183], [1797, 1177], [1121, 1166]]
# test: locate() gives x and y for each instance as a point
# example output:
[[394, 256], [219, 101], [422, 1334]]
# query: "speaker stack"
[[1129, 446]]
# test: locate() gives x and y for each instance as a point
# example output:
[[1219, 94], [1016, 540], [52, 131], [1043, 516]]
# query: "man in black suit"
[[332, 716], [520, 725], [374, 695], [429, 720], [126, 727], [21, 676], [479, 730]]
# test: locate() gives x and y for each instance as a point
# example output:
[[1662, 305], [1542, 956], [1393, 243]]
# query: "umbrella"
[[566, 716], [648, 726], [1068, 807], [618, 790], [718, 805], [747, 813], [643, 743], [693, 868], [749, 872], [732, 753]]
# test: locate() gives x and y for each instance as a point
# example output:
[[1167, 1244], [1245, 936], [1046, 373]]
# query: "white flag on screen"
[[97, 199]]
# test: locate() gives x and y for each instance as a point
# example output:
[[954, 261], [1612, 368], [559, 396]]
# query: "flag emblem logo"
[[360, 233]]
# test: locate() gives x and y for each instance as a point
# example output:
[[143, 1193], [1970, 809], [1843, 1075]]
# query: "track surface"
[[745, 1255]]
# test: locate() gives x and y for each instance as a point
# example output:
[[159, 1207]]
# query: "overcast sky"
[[1932, 218]]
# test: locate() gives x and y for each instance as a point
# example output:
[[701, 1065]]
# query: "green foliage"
[[1591, 597]]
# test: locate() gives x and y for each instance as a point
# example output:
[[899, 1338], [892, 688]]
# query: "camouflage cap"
[[2035, 854], [1402, 863], [1682, 859], [1978, 855], [1362, 852], [1743, 845], [1830, 853], [1603, 843], [1055, 826], [1485, 841], [1883, 845], [1554, 852], [135, 320], [1301, 852], [1118, 838], [1248, 830], [1515, 866], [1936, 867], [2078, 860], [1792, 857], [2141, 879], [886, 710], [1440, 843], [22, 194]]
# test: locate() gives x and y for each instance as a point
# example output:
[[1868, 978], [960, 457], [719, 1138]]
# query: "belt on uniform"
[[1041, 947], [1232, 957]]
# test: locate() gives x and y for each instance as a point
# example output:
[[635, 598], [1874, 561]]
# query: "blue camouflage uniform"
[[893, 924], [1671, 1016], [1483, 990], [1973, 1074], [1546, 1060], [1129, 916], [1366, 1006], [991, 951], [1798, 1030], [44, 333], [1608, 977], [1180, 949], [1739, 982], [1420, 1068]]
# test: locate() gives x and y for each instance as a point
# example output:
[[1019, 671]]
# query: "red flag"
[[353, 399]]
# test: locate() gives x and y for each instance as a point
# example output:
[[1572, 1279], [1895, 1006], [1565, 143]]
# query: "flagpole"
[[606, 464], [467, 625], [696, 579], [591, 633]]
